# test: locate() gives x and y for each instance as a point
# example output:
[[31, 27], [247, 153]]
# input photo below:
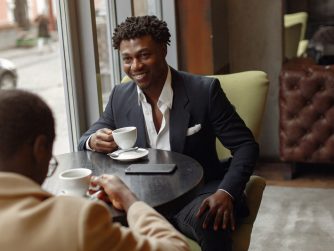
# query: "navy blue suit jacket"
[[196, 100]]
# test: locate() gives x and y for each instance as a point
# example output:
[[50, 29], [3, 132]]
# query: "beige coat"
[[32, 219]]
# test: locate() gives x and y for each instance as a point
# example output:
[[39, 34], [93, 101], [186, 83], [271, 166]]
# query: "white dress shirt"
[[158, 140]]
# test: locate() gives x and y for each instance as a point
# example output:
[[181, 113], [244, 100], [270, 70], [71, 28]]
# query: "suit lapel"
[[179, 116], [135, 117]]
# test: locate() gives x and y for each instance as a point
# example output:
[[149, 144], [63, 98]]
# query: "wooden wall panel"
[[194, 36]]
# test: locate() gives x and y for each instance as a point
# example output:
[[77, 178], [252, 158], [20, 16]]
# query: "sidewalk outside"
[[41, 73]]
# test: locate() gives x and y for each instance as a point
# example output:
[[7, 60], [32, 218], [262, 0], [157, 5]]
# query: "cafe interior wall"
[[255, 43]]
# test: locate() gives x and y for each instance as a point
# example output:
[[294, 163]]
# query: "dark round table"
[[165, 192]]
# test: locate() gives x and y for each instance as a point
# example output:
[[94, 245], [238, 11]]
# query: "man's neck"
[[21, 163], [153, 94]]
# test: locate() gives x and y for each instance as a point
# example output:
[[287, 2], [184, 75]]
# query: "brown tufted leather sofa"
[[306, 110]]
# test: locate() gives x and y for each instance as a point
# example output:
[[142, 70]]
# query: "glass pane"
[[103, 49], [29, 42]]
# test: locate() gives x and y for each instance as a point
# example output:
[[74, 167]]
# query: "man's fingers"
[[208, 219], [226, 219], [106, 130], [104, 134], [232, 221], [103, 141], [104, 146], [202, 208], [218, 219], [94, 184], [101, 181]]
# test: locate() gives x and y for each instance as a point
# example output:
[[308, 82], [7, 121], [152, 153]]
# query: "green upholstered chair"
[[291, 20], [247, 91], [291, 40]]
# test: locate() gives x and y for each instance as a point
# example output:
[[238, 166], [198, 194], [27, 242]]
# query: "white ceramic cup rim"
[[84, 173], [124, 129]]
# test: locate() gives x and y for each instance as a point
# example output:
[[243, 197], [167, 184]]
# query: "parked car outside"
[[8, 74]]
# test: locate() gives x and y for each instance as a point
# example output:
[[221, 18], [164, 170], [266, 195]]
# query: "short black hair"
[[135, 27], [23, 116]]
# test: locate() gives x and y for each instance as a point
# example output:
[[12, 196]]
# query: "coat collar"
[[179, 116], [13, 184]]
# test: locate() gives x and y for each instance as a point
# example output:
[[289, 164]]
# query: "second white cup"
[[125, 137], [75, 181]]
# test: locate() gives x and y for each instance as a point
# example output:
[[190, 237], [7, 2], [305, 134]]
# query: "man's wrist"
[[87, 144], [128, 199], [223, 190]]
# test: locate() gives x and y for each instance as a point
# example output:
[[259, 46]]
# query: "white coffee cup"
[[75, 181], [125, 137]]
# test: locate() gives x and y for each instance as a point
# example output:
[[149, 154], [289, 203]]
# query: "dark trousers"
[[210, 240]]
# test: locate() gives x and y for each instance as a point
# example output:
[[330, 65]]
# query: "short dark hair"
[[23, 116], [134, 27]]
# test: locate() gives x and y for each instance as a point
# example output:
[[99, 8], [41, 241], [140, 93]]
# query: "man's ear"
[[42, 151], [42, 148]]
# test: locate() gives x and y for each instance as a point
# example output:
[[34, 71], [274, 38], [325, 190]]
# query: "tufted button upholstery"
[[306, 103]]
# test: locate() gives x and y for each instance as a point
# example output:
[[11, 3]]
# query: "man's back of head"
[[25, 119]]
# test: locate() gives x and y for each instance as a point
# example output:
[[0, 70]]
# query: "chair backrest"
[[292, 40], [247, 91], [125, 79], [292, 33], [297, 18]]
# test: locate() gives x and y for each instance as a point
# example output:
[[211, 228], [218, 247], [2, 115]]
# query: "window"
[[30, 42]]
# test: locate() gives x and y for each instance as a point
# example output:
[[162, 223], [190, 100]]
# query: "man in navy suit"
[[181, 112]]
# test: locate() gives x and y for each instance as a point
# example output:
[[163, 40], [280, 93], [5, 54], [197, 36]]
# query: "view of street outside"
[[42, 74], [29, 40], [34, 50]]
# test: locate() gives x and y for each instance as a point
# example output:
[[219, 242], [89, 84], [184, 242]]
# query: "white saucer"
[[131, 155]]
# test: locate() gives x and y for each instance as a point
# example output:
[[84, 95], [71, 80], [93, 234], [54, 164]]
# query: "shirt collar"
[[166, 95]]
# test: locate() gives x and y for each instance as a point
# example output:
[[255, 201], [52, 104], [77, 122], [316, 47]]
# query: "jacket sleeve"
[[236, 136], [106, 120], [147, 230]]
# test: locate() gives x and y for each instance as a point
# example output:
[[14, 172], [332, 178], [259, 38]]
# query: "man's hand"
[[102, 141], [114, 190], [220, 210]]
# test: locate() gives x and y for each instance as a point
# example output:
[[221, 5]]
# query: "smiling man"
[[180, 112]]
